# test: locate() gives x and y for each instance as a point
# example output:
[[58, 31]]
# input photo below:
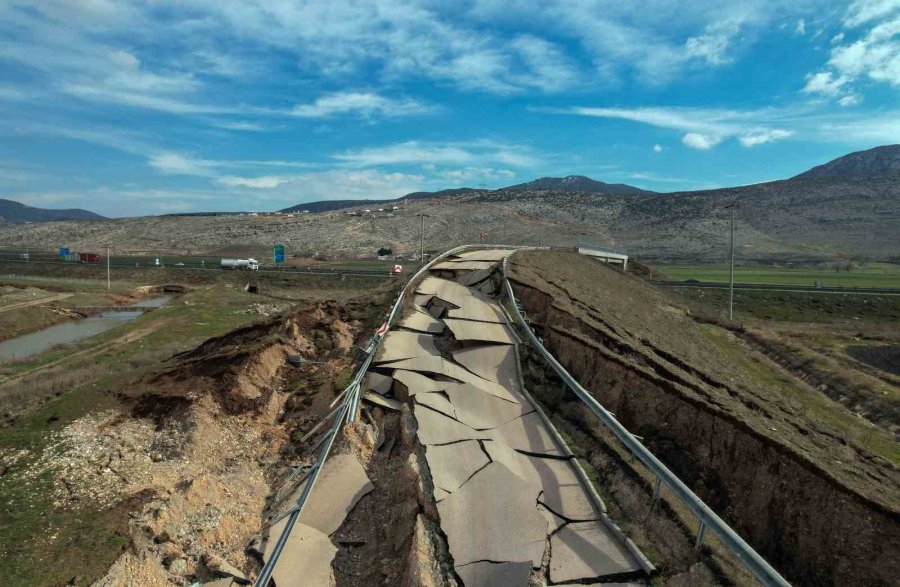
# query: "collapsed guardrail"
[[736, 545]]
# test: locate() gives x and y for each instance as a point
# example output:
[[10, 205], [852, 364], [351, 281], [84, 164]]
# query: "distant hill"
[[17, 213], [576, 183], [571, 183], [878, 162], [439, 194], [329, 205]]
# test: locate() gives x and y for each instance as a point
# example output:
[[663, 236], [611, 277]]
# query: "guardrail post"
[[655, 500], [700, 533]]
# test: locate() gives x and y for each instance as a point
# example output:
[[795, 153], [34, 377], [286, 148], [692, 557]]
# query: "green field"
[[868, 275]]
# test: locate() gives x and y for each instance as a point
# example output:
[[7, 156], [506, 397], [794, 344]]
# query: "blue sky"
[[130, 107]]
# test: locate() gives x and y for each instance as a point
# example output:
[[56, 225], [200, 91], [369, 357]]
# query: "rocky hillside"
[[878, 162], [576, 183], [810, 217], [16, 213]]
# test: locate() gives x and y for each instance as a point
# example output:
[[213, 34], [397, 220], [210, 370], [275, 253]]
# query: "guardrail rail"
[[736, 545]]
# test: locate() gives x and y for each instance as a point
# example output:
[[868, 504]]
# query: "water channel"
[[35, 342]]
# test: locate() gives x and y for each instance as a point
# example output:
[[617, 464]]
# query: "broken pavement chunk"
[[422, 321], [481, 410], [399, 344], [436, 428], [491, 574], [529, 434], [483, 331], [378, 383], [341, 484], [306, 558], [502, 511], [588, 550], [494, 362], [452, 465]]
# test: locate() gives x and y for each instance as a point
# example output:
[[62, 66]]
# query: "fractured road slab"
[[481, 331], [481, 410], [529, 434], [436, 428], [452, 465], [422, 321], [341, 484], [494, 362], [306, 558], [493, 517], [491, 574], [587, 550], [399, 344]]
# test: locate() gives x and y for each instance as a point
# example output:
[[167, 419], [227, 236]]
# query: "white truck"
[[240, 264]]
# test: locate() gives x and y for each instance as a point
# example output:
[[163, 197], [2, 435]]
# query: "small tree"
[[385, 252]]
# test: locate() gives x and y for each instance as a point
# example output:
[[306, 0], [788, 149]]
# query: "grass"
[[819, 408], [868, 275], [785, 306]]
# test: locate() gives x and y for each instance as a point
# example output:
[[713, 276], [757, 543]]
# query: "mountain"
[[881, 161], [329, 205], [17, 213], [439, 194], [576, 183]]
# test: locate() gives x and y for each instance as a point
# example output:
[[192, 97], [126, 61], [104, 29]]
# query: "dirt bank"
[[819, 506], [189, 456]]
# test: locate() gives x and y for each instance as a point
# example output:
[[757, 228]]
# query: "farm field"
[[876, 275]]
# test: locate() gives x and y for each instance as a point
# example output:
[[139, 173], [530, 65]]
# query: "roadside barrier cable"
[[754, 563]]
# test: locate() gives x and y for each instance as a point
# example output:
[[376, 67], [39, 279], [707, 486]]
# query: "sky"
[[134, 107]]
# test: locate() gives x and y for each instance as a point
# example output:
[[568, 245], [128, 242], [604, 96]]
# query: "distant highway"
[[789, 288], [124, 262]]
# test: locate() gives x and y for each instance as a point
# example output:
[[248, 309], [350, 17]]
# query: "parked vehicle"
[[89, 257], [240, 264]]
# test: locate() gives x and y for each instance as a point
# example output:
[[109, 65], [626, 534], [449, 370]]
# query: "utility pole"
[[107, 268], [422, 242], [731, 279]]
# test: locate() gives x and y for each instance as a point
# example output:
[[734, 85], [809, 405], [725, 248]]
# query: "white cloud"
[[766, 136], [263, 182], [824, 83], [712, 46], [864, 11], [703, 142], [872, 56], [801, 27], [176, 164], [476, 174], [851, 100], [705, 127], [365, 104], [418, 152], [657, 148]]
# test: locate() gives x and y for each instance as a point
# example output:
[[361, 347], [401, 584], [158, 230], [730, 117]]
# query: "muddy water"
[[68, 332]]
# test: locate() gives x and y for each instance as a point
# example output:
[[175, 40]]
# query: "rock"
[[178, 566]]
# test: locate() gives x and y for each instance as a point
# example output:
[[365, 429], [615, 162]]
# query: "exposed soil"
[[886, 358], [766, 463], [189, 459]]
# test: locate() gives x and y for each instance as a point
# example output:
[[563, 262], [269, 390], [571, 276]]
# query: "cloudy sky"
[[134, 107]]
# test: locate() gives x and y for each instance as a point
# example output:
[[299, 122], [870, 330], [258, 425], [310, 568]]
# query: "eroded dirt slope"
[[191, 454], [788, 467]]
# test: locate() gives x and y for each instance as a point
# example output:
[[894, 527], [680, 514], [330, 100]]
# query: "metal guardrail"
[[755, 563], [346, 412]]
